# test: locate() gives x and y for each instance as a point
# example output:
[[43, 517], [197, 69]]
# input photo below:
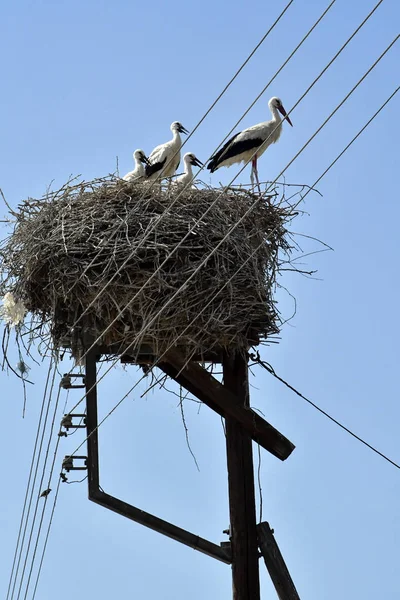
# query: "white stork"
[[242, 146], [140, 159], [189, 159], [161, 165]]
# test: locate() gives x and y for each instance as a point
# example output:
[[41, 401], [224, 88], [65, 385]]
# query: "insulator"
[[65, 382], [68, 463], [66, 421]]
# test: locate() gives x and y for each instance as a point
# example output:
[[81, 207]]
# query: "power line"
[[46, 539], [29, 477], [246, 260], [226, 283], [216, 248], [344, 99], [176, 198], [240, 69], [291, 387], [191, 229], [45, 500], [210, 109], [271, 370], [37, 499], [240, 171], [52, 511], [34, 481], [205, 260], [275, 76], [314, 134], [354, 138]]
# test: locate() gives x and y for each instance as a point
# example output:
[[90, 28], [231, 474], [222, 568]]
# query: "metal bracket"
[[97, 494], [66, 381], [68, 463], [68, 424]]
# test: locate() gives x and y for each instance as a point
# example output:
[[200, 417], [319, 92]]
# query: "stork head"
[[178, 127], [140, 156], [192, 159], [277, 104]]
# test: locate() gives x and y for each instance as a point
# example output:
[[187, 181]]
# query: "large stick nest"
[[63, 257]]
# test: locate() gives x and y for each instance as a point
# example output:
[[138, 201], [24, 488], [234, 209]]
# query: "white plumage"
[[186, 179], [160, 163], [140, 159], [242, 146]]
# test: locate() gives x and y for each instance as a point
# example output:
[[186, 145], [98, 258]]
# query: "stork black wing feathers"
[[213, 164], [231, 149], [153, 168]]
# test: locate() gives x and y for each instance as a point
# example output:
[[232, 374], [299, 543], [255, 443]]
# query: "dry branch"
[[65, 247]]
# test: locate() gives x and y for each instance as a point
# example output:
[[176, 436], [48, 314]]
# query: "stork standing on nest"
[[140, 159], [165, 159], [253, 140], [186, 179]]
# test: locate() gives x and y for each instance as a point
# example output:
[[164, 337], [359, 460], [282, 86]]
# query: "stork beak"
[[197, 163], [283, 112], [182, 129], [145, 160]]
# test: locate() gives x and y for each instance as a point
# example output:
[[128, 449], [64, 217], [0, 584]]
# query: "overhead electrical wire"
[[358, 438], [177, 196], [34, 482], [213, 104], [229, 232], [161, 216], [45, 505], [29, 477], [46, 538], [359, 133], [223, 191], [205, 260], [38, 496], [245, 262], [271, 370], [45, 499]]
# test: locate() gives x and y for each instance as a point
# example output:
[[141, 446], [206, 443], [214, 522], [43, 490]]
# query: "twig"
[[187, 432]]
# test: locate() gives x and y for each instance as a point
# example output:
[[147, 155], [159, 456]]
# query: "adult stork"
[[165, 159], [189, 160], [140, 159], [253, 140]]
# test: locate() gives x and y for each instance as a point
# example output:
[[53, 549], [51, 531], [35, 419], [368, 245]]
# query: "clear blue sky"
[[85, 82]]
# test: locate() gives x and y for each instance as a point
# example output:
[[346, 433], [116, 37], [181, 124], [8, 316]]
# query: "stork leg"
[[254, 168], [252, 175]]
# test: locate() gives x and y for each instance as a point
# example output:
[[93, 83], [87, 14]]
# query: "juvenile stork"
[[160, 163], [140, 159], [253, 140], [189, 160]]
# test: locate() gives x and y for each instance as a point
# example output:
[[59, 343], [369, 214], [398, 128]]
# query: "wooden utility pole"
[[242, 508], [243, 425]]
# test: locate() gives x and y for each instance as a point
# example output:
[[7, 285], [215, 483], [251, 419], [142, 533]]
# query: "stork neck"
[[188, 168], [275, 114], [176, 137]]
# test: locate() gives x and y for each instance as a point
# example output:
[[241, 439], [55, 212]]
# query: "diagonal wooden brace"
[[196, 380], [275, 563]]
